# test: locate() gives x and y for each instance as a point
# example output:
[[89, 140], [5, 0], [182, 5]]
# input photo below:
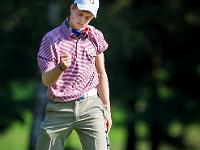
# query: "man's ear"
[[71, 7]]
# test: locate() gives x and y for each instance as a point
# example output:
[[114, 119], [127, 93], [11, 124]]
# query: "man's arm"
[[51, 76], [103, 87]]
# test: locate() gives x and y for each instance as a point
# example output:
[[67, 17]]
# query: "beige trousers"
[[84, 116]]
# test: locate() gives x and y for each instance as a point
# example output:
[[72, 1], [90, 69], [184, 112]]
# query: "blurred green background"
[[153, 64]]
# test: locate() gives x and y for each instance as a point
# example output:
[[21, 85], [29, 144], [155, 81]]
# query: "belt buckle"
[[87, 94], [82, 98]]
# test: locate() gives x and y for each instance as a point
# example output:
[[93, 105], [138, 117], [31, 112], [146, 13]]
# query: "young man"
[[71, 61]]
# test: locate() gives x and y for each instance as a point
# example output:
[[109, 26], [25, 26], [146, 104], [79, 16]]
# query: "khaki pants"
[[84, 116]]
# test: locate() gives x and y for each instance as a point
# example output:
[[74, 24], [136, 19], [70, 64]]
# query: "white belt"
[[90, 93]]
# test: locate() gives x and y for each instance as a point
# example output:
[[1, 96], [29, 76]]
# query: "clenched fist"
[[65, 61]]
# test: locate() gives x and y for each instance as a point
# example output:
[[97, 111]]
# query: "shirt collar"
[[68, 31]]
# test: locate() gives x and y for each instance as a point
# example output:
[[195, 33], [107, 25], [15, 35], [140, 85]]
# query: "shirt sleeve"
[[46, 55], [102, 45]]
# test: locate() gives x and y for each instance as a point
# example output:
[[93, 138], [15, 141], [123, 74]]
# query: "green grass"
[[17, 136]]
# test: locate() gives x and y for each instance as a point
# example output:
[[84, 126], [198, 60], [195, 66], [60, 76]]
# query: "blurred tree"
[[20, 30], [154, 56]]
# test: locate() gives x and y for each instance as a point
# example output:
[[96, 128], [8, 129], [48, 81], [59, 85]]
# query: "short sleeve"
[[46, 55], [102, 45]]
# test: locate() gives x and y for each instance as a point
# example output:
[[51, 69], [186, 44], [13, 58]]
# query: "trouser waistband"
[[90, 93]]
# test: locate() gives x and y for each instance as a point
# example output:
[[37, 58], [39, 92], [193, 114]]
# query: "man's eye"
[[87, 18], [80, 14]]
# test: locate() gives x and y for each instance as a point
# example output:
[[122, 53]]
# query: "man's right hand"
[[65, 61]]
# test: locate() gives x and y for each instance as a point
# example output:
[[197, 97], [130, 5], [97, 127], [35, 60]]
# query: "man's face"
[[79, 19]]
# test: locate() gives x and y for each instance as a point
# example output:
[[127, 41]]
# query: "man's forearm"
[[51, 76], [103, 90]]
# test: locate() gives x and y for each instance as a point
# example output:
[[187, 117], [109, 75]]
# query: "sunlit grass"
[[17, 136]]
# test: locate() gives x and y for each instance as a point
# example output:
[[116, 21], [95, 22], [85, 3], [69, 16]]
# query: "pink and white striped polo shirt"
[[81, 76]]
